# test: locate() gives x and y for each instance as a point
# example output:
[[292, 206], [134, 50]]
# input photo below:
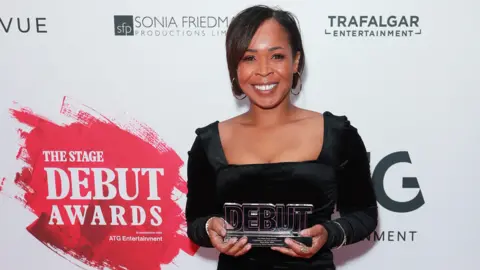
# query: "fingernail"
[[249, 246], [234, 239], [303, 233]]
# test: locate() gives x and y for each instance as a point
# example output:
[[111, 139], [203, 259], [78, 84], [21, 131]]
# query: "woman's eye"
[[249, 58]]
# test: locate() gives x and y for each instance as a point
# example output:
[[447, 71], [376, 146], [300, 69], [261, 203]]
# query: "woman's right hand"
[[233, 247]]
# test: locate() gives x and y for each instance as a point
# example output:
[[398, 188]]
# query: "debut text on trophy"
[[267, 224]]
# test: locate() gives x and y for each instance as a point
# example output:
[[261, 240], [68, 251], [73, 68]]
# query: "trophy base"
[[269, 240]]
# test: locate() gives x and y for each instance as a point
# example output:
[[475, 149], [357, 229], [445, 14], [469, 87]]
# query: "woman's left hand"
[[295, 249]]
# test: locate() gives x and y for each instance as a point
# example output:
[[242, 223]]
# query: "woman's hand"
[[296, 249], [234, 247]]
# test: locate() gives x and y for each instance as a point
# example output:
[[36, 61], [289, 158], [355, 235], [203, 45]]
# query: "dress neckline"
[[218, 141]]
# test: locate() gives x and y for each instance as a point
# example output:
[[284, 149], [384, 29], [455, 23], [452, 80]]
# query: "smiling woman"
[[276, 154], [265, 55]]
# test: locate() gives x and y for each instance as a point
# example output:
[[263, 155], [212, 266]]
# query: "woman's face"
[[265, 72]]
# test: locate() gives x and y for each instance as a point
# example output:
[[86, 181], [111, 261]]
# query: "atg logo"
[[170, 26], [373, 26], [396, 234], [379, 176]]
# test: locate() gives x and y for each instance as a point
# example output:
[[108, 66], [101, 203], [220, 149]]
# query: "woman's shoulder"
[[214, 125], [330, 120], [337, 121], [205, 138], [206, 130]]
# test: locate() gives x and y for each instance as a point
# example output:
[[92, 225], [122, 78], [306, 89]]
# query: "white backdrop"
[[416, 94]]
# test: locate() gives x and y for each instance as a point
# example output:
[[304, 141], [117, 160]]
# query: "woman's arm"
[[201, 194], [356, 200]]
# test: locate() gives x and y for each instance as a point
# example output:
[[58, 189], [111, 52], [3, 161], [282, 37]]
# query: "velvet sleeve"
[[356, 200], [201, 201]]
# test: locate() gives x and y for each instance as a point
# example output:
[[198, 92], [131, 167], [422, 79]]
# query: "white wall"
[[415, 93]]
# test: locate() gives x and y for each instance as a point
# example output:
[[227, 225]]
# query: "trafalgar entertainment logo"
[[373, 26], [23, 25], [104, 191], [171, 26], [379, 178]]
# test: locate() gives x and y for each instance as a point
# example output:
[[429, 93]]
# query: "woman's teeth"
[[265, 87]]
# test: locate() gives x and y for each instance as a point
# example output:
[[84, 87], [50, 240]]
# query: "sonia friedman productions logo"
[[373, 26], [102, 190], [170, 26]]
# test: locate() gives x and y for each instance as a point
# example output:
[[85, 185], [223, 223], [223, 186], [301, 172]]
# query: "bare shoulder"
[[310, 115], [227, 127], [311, 121]]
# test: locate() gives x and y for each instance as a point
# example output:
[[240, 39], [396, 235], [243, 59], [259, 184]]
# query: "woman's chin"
[[267, 102]]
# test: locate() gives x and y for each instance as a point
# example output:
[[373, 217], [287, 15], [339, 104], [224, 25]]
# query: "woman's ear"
[[296, 61]]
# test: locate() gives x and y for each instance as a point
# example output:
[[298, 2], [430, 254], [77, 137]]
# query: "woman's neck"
[[271, 117]]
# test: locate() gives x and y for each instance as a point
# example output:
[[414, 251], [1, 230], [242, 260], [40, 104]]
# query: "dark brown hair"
[[242, 29]]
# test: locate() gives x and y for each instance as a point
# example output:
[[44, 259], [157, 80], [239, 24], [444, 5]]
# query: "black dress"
[[339, 176]]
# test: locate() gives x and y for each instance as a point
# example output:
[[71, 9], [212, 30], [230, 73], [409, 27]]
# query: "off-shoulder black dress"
[[339, 176]]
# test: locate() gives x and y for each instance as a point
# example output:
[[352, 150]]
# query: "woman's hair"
[[242, 29]]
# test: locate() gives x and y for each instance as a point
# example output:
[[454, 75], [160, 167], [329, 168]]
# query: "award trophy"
[[267, 225]]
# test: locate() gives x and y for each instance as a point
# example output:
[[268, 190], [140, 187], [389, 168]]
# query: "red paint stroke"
[[2, 182], [130, 145]]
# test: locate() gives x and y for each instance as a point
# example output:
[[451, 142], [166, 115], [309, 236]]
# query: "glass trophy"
[[267, 225]]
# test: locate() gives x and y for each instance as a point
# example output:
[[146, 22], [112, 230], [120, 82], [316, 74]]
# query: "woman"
[[277, 153]]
